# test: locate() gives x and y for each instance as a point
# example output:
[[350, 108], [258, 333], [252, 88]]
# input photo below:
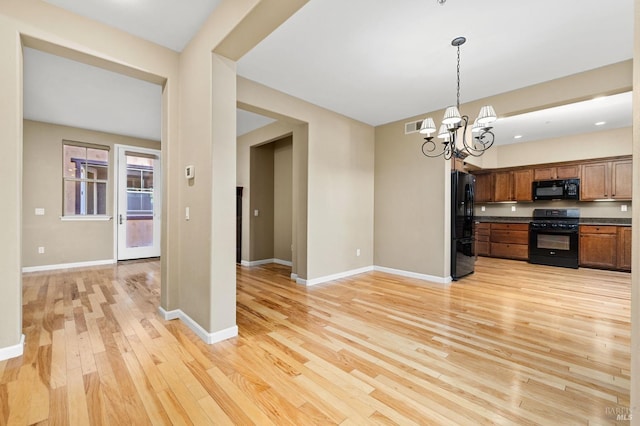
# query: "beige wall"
[[339, 156], [283, 198], [261, 200], [64, 241], [606, 143], [271, 167]]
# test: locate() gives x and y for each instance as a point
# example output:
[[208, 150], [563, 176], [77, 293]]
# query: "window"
[[85, 175], [139, 188]]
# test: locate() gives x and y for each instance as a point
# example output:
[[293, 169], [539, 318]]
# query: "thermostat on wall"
[[190, 172]]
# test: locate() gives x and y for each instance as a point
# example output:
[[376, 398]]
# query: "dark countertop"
[[583, 221]]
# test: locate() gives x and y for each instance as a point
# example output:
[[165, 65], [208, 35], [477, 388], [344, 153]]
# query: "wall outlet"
[[256, 212], [513, 208], [40, 250], [623, 208], [482, 208], [357, 252], [39, 211]]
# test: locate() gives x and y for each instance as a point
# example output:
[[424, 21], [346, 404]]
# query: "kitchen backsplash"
[[595, 209]]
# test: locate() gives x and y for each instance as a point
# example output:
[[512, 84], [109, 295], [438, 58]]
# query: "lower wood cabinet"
[[509, 240], [605, 247], [483, 243], [624, 248], [601, 246]]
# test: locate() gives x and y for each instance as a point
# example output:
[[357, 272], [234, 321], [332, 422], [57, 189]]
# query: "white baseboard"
[[332, 277], [294, 277], [208, 338], [12, 351], [409, 274], [265, 262], [68, 265]]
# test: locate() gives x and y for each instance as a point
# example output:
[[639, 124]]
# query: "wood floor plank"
[[514, 343]]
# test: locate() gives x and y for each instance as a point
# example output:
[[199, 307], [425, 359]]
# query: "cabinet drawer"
[[482, 248], [598, 229], [511, 237], [510, 226], [510, 251]]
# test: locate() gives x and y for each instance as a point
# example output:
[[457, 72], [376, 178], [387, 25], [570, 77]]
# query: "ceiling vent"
[[412, 127]]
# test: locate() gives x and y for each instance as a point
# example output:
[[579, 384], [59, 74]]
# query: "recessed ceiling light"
[[517, 137], [601, 123]]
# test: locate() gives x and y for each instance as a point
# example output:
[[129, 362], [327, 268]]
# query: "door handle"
[[120, 219]]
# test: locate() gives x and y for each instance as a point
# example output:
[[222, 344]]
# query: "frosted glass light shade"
[[477, 127], [487, 115], [428, 126], [451, 116], [443, 133]]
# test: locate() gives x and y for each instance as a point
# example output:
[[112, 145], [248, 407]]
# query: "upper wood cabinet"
[[522, 180], [512, 185], [484, 188], [503, 186], [568, 171], [606, 179]]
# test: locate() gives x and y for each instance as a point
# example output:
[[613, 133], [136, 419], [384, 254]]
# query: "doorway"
[[138, 211]]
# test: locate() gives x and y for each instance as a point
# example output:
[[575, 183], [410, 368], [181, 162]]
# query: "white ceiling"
[[388, 60], [169, 23], [62, 91]]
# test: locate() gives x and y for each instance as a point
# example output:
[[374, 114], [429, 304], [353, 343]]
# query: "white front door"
[[138, 203]]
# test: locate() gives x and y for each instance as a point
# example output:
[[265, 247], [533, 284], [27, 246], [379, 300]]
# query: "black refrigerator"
[[462, 224]]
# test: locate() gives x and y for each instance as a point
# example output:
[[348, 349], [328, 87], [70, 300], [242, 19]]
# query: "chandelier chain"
[[458, 74]]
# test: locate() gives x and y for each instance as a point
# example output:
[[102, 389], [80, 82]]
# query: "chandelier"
[[482, 136]]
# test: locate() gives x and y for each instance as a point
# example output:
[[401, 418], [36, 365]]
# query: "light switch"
[[39, 211], [187, 215]]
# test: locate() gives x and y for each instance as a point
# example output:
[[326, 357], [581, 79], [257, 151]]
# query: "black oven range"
[[553, 237]]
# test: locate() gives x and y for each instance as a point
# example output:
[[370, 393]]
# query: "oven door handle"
[[541, 231]]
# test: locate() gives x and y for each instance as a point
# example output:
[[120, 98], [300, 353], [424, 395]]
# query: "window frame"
[[83, 167]]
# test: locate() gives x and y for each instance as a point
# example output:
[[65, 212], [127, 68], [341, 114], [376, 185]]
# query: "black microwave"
[[564, 189]]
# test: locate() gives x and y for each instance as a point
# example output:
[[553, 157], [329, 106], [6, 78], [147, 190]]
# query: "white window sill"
[[87, 218]]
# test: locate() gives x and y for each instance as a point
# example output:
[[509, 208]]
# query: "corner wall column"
[[10, 191], [223, 187]]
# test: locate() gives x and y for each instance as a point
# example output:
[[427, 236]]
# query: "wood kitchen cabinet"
[[510, 240], [484, 188], [568, 171], [606, 180], [483, 243], [598, 246], [522, 180], [513, 185], [503, 186], [624, 248]]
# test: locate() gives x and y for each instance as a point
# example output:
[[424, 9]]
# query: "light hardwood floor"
[[512, 344]]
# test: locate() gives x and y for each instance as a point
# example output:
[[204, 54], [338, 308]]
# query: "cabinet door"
[[503, 186], [522, 185], [621, 178], [568, 172], [484, 188], [599, 249], [544, 173], [595, 181], [624, 248]]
